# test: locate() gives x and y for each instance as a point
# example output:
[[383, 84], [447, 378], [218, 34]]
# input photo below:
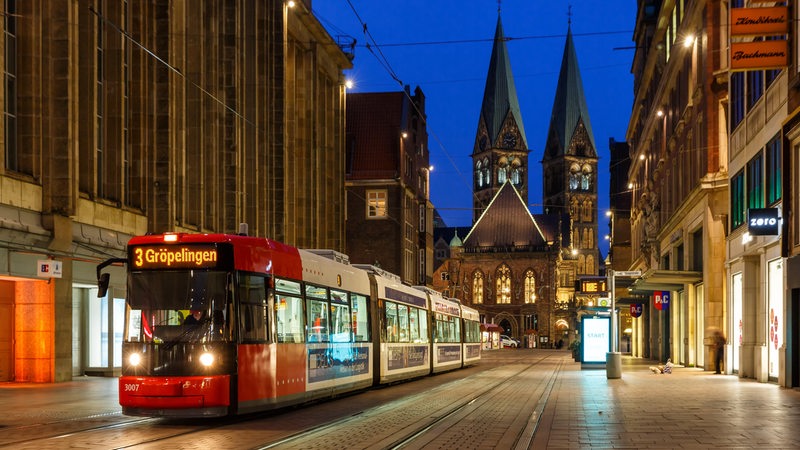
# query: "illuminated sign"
[[49, 268], [446, 308], [759, 55], [763, 221], [596, 339], [592, 285], [174, 256], [752, 21], [661, 300]]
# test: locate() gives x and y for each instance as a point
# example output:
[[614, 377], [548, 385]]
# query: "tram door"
[[6, 330]]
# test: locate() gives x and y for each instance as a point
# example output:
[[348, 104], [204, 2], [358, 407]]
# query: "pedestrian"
[[718, 344]]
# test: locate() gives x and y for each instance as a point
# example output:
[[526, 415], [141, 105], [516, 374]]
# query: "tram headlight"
[[207, 359], [134, 359]]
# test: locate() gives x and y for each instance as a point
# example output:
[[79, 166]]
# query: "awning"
[[490, 327], [664, 280]]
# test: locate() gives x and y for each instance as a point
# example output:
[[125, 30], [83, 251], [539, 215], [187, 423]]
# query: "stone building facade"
[[123, 118]]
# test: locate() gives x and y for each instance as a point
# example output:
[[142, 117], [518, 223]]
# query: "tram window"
[[340, 323], [423, 326], [447, 329], [391, 322], [316, 292], [338, 296], [360, 318], [288, 287], [253, 308], [289, 317], [317, 321], [413, 324], [402, 322]]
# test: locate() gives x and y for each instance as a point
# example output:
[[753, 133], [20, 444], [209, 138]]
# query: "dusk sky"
[[444, 46]]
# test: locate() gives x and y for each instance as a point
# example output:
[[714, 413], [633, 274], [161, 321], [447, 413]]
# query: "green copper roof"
[[500, 94], [569, 106]]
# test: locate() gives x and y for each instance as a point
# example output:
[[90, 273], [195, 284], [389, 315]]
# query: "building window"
[[503, 285], [99, 104], [697, 250], [773, 170], [737, 99], [755, 182], [10, 94], [376, 204], [477, 287], [737, 200], [755, 87], [530, 287]]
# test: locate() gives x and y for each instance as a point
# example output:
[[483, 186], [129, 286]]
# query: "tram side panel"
[[338, 329], [404, 334], [447, 340], [470, 320]]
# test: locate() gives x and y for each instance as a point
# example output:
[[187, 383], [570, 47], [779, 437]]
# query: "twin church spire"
[[569, 160], [500, 151]]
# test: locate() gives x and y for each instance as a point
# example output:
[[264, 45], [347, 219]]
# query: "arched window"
[[501, 175], [574, 176], [586, 178], [516, 177], [477, 287], [530, 287], [590, 264], [479, 173], [487, 173], [503, 284], [581, 265]]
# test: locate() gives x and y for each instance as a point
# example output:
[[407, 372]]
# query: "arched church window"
[[501, 175], [477, 287], [503, 284], [586, 177], [574, 176], [479, 173], [581, 264], [516, 177], [530, 286], [586, 211], [574, 208], [590, 265], [487, 173]]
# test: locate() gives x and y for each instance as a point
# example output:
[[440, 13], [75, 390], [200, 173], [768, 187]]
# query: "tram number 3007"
[[131, 387]]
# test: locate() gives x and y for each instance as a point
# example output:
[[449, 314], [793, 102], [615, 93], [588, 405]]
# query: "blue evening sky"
[[444, 46]]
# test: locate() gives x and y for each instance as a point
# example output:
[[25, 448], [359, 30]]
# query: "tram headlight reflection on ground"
[[207, 359], [135, 359]]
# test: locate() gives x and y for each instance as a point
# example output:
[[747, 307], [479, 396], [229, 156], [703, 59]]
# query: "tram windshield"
[[177, 306]]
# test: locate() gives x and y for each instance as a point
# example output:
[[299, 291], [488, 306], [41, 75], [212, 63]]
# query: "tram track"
[[408, 423], [449, 410]]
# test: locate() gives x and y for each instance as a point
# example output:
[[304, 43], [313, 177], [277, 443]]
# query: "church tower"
[[500, 151], [569, 164]]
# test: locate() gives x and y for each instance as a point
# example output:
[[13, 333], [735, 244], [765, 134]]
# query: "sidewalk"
[[689, 408]]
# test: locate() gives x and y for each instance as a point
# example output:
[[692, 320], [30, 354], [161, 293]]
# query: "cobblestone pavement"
[[689, 408]]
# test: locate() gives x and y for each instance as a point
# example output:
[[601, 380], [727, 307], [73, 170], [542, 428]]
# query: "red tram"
[[221, 324]]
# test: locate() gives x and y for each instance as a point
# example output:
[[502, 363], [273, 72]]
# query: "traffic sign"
[[627, 273]]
